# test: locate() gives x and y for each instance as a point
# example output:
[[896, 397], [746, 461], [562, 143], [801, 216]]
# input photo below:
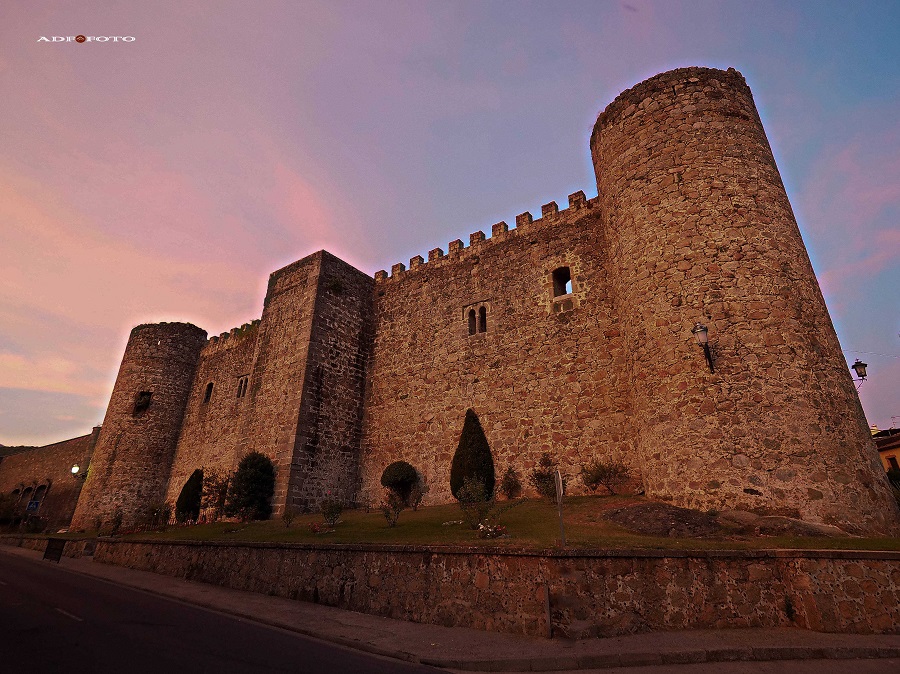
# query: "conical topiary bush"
[[473, 457]]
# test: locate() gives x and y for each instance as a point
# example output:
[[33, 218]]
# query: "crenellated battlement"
[[242, 331], [551, 215]]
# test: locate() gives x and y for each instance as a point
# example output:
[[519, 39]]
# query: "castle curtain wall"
[[542, 377]]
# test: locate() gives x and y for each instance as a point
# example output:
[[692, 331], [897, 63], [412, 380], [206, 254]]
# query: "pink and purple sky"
[[165, 178]]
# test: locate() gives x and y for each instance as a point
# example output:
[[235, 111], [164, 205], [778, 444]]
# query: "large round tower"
[[133, 456], [700, 230]]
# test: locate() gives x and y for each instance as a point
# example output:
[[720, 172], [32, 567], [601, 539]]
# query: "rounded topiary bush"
[[472, 458], [400, 477], [250, 490], [187, 507]]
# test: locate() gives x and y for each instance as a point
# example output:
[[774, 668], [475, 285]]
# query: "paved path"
[[474, 650]]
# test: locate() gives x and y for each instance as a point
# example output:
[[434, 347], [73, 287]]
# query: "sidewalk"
[[474, 650]]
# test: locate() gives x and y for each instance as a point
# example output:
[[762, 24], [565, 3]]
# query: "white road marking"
[[69, 615]]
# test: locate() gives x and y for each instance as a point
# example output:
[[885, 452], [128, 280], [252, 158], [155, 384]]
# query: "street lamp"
[[701, 332], [860, 368]]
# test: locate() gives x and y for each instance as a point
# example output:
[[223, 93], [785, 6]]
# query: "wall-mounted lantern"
[[701, 332], [78, 474], [859, 368]]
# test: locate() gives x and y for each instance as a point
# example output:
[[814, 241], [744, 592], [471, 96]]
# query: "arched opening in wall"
[[482, 319], [38, 497], [562, 281], [187, 507], [26, 499], [208, 394], [472, 324]]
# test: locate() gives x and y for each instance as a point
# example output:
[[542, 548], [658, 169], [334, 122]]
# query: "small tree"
[[290, 512], [610, 475], [417, 493], [400, 477], [187, 507], [392, 506], [250, 490], [473, 457], [510, 486], [331, 511], [543, 477], [480, 509]]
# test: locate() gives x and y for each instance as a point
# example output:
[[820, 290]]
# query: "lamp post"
[[701, 332]]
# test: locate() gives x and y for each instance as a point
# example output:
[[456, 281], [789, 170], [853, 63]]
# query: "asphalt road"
[[52, 620]]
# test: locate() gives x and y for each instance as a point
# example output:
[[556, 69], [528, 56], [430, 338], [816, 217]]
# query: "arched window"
[[471, 321], [482, 319], [208, 394], [562, 281]]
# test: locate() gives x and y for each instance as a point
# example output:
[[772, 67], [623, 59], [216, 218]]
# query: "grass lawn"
[[532, 524]]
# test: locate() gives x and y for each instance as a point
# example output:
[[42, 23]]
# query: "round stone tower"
[[131, 462], [700, 230]]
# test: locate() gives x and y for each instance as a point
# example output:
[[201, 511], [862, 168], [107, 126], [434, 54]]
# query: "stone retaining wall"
[[74, 548], [591, 593]]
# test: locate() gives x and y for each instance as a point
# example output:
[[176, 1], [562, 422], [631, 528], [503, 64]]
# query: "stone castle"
[[569, 334]]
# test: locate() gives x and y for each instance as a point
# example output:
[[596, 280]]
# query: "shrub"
[[510, 486], [417, 493], [480, 509], [400, 477], [543, 478], [35, 524], [391, 507], [155, 516], [215, 491], [610, 475], [331, 511], [7, 508], [250, 490], [290, 512], [187, 507], [472, 458], [116, 522]]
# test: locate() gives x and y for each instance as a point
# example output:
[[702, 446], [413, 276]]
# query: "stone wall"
[[591, 593], [49, 467], [543, 377], [214, 433], [701, 230]]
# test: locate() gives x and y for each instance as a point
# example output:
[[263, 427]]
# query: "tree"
[[610, 475], [187, 507], [400, 477], [250, 490], [472, 458]]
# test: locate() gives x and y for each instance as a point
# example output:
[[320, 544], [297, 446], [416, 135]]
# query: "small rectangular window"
[[208, 394], [892, 460], [141, 402], [562, 281]]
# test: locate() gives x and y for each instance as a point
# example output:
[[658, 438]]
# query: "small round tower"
[[131, 462], [700, 230]]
